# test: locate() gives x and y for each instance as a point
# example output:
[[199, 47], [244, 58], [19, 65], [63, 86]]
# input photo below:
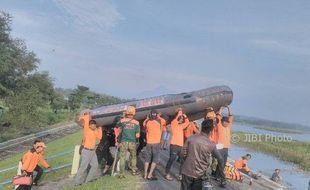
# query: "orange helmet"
[[131, 110]]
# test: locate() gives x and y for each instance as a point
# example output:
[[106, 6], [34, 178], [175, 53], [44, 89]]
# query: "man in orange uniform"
[[154, 126], [30, 162], [242, 166], [83, 120], [178, 125], [224, 126], [92, 133], [190, 130]]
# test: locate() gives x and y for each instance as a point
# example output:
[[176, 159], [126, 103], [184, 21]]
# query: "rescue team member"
[[127, 139], [91, 134], [197, 152], [232, 173], [224, 125], [190, 130], [242, 166], [103, 149], [177, 127], [30, 162], [276, 177], [154, 126], [82, 121]]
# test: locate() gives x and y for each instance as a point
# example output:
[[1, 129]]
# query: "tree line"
[[28, 98]]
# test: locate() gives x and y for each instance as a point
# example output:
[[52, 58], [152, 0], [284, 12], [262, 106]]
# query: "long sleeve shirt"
[[197, 152], [31, 159], [177, 132]]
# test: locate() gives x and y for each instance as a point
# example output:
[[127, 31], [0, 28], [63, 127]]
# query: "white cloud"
[[23, 18], [286, 47], [92, 16]]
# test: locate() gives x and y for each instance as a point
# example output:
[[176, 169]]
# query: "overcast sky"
[[137, 48]]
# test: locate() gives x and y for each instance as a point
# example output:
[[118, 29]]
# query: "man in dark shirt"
[[197, 153], [276, 177], [103, 148]]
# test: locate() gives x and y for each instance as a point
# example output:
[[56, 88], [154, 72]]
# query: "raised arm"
[[99, 133], [186, 122], [230, 115], [84, 119], [220, 112], [229, 111]]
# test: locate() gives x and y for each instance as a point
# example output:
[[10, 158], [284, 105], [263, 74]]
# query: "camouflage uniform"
[[128, 137]]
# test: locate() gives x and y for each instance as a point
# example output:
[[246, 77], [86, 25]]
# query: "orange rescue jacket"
[[31, 159], [242, 164], [190, 130], [154, 129], [224, 133], [177, 132]]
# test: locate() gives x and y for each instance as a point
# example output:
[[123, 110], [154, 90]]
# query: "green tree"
[[43, 83], [58, 102], [17, 63], [25, 109], [24, 90], [77, 98]]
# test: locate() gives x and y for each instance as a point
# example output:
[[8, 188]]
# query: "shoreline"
[[295, 152]]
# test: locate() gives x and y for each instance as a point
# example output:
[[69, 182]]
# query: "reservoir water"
[[293, 177]]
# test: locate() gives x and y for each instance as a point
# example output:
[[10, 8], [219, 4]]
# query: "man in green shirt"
[[129, 135]]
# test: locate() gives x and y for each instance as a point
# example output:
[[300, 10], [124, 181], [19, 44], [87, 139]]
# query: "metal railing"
[[48, 158], [17, 141], [66, 152]]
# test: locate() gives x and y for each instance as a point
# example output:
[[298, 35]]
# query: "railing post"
[[76, 160], [19, 171]]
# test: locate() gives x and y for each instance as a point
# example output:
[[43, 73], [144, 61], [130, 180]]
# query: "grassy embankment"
[[279, 130], [274, 126], [49, 120], [295, 152], [61, 145]]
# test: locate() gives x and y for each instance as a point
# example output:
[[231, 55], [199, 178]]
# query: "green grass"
[[49, 120], [54, 118], [110, 183], [279, 130], [295, 152], [60, 145]]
